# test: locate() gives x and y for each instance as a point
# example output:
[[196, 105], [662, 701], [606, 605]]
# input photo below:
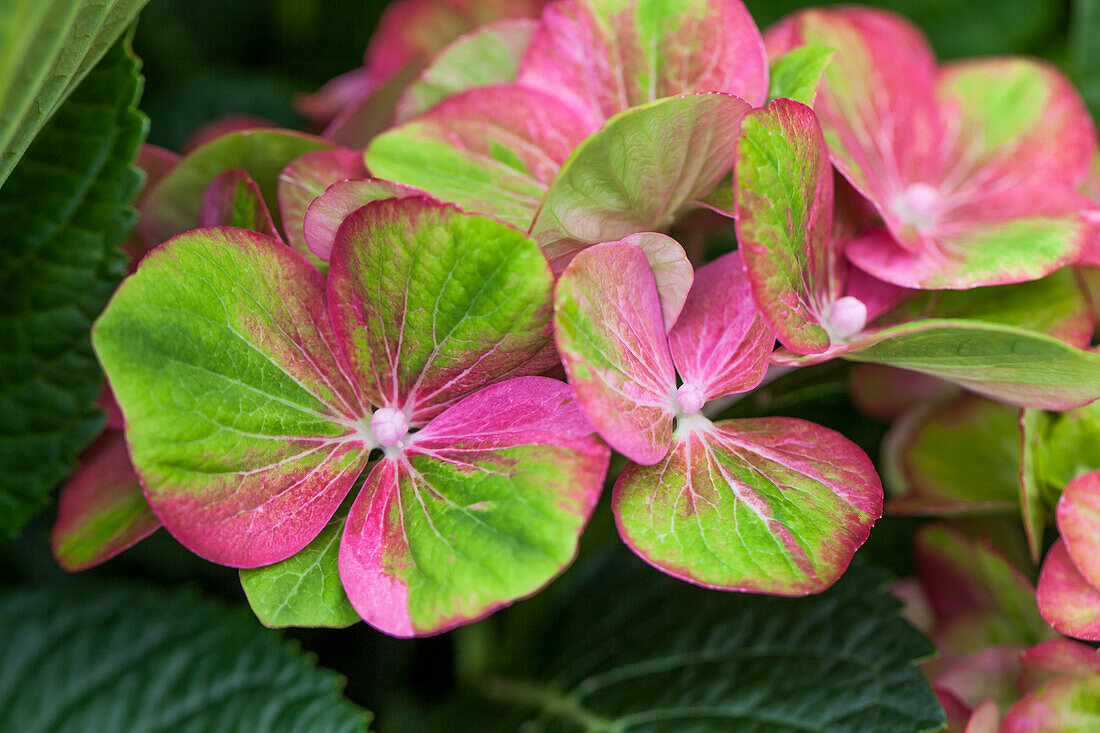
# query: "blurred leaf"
[[1084, 29], [957, 29], [65, 211], [632, 650], [46, 48], [797, 74], [118, 657]]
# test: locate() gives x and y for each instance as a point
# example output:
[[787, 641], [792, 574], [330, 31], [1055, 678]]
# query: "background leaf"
[[47, 47], [107, 658], [647, 653], [65, 210]]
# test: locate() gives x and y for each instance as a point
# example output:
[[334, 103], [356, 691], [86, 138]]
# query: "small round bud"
[[846, 318], [389, 425], [690, 399]]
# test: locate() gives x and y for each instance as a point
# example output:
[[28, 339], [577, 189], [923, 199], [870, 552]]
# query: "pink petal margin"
[[1066, 600]]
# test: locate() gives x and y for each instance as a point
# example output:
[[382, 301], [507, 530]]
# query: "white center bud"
[[690, 399], [918, 205], [846, 318], [389, 425]]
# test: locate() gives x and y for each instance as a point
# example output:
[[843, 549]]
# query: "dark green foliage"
[[79, 658], [65, 210], [630, 650]]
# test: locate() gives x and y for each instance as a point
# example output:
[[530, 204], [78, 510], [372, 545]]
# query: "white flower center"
[[689, 399], [845, 318], [919, 205], [389, 426]]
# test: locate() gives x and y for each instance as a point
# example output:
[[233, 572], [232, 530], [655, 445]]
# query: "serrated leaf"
[[485, 56], [474, 150], [609, 330], [631, 651], [925, 450], [607, 190], [423, 331], [796, 74], [771, 505], [120, 657], [174, 205], [606, 56], [304, 589], [65, 212], [47, 48], [485, 506], [244, 426]]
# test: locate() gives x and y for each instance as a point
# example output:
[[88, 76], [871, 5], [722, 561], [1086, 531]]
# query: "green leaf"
[[1084, 54], [638, 172], [1070, 447], [927, 449], [245, 427], [630, 651], [1056, 305], [47, 47], [83, 658], [1034, 424], [795, 75], [65, 212], [1009, 364], [488, 55], [174, 205], [305, 589]]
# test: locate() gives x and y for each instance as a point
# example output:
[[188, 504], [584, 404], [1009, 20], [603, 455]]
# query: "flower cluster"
[[341, 356]]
